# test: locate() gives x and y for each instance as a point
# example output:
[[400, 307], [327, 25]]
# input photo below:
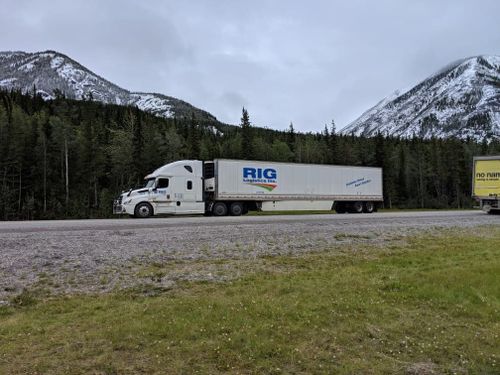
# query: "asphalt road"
[[405, 218], [95, 256]]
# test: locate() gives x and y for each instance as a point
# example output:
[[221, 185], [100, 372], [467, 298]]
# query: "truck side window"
[[188, 168], [162, 183], [190, 185]]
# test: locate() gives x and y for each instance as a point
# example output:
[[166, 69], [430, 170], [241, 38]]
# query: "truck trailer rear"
[[233, 187], [486, 182]]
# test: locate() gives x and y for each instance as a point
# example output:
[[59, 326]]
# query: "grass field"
[[432, 304]]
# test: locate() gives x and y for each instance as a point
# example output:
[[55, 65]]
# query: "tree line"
[[69, 159]]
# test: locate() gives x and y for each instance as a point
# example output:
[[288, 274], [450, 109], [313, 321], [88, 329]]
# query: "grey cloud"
[[285, 61]]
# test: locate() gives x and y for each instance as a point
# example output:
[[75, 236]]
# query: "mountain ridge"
[[460, 100], [51, 72]]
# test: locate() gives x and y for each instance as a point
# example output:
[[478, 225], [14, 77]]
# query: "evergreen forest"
[[70, 159]]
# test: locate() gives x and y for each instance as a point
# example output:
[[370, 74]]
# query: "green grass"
[[434, 302]]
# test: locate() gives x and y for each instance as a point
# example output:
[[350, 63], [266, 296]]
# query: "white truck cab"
[[175, 188]]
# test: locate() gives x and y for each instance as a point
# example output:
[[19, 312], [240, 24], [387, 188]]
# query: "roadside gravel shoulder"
[[150, 255]]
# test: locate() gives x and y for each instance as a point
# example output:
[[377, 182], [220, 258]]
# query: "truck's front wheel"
[[143, 210], [219, 209]]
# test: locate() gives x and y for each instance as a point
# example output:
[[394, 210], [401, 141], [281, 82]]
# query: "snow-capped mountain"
[[460, 100], [51, 71]]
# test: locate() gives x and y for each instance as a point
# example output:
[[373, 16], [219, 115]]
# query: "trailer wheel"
[[357, 207], [143, 210], [236, 209], [219, 209], [369, 207]]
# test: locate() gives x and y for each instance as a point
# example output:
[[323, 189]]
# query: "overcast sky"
[[302, 61]]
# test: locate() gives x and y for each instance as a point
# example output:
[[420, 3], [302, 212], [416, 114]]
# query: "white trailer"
[[221, 187]]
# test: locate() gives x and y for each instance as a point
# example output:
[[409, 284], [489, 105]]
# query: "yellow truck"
[[486, 182]]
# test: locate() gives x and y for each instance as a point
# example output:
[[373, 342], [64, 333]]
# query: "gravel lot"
[[93, 256]]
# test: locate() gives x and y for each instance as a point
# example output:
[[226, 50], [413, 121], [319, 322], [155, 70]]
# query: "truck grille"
[[117, 206]]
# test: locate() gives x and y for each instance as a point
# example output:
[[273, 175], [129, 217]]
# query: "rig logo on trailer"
[[266, 178]]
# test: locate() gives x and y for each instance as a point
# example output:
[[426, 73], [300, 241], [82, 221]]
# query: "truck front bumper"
[[118, 209]]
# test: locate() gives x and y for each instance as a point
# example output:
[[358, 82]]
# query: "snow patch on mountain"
[[153, 103], [56, 62], [7, 82]]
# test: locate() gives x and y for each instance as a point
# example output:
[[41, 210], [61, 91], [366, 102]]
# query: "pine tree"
[[402, 177], [137, 147], [246, 136], [290, 137], [332, 144], [194, 138]]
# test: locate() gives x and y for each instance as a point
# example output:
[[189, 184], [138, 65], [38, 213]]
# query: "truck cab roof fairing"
[[177, 168]]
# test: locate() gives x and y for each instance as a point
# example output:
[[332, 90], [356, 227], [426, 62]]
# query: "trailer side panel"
[[486, 178], [264, 181]]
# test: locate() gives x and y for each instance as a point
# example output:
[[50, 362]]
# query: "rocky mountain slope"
[[50, 72], [461, 100]]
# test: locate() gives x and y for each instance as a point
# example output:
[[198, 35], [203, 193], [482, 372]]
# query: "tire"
[[357, 207], [143, 210], [236, 209], [219, 209], [340, 208], [369, 207]]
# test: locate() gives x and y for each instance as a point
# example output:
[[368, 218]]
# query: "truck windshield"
[[150, 182]]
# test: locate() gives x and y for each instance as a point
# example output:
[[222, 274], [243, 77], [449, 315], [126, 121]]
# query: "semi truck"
[[486, 182], [233, 187]]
